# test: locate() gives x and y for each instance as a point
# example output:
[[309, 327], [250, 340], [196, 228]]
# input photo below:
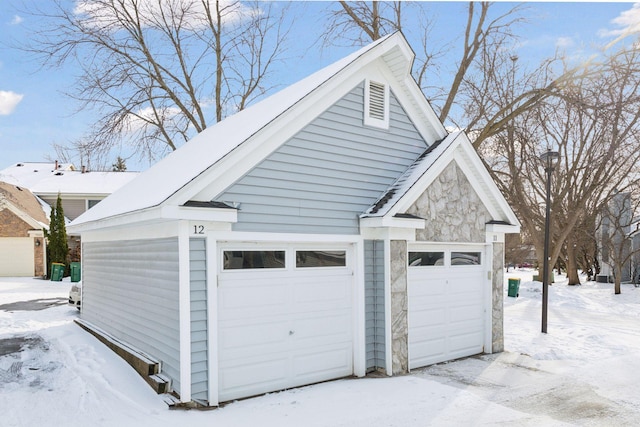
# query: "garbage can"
[[514, 288], [57, 272], [75, 272]]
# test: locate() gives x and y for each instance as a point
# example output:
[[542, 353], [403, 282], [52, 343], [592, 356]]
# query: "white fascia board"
[[200, 214], [421, 112], [392, 222], [135, 231], [250, 237], [72, 196], [503, 228], [419, 187], [473, 167], [146, 215]]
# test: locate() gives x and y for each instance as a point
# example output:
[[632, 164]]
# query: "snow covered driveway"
[[584, 372]]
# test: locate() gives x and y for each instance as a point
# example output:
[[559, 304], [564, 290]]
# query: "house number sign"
[[197, 229]]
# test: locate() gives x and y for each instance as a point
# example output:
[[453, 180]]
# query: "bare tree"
[[467, 100], [594, 124], [361, 22], [153, 70]]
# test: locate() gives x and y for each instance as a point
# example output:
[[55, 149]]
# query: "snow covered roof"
[[411, 184], [410, 177], [45, 179], [78, 183], [216, 143], [26, 174]]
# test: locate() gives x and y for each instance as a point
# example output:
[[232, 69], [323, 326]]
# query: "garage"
[[16, 257], [285, 316], [446, 303]]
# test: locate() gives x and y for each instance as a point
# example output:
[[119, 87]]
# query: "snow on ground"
[[583, 372]]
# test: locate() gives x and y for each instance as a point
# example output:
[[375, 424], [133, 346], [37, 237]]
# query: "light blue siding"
[[130, 290], [198, 282], [325, 176], [374, 303]]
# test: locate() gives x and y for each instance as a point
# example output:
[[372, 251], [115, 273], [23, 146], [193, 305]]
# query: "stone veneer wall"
[[497, 315], [453, 210], [399, 325], [454, 213]]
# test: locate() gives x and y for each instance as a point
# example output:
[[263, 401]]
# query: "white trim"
[[285, 238], [503, 229], [212, 317], [200, 214], [184, 297], [158, 214], [134, 232], [393, 222]]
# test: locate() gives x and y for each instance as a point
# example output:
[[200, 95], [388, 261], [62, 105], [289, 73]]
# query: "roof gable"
[[23, 204], [454, 148], [223, 152]]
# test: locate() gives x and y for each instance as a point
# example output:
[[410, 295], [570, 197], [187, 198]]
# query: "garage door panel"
[[330, 327], [260, 376], [314, 366], [321, 293], [238, 301], [266, 336], [297, 321], [17, 257], [431, 351], [445, 312], [466, 313]]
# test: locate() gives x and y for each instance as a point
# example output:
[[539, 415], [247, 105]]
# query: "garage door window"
[[420, 259], [321, 259], [242, 260], [465, 258]]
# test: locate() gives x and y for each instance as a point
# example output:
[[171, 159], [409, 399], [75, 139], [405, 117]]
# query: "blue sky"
[[34, 113]]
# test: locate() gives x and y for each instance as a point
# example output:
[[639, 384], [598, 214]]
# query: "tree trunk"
[[617, 279], [572, 265]]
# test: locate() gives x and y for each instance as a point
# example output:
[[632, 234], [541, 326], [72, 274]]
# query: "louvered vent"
[[376, 101]]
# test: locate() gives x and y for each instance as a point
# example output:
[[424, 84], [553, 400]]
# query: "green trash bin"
[[57, 272], [514, 288], [75, 272]]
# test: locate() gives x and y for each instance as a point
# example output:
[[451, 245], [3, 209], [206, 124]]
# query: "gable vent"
[[376, 100], [376, 104]]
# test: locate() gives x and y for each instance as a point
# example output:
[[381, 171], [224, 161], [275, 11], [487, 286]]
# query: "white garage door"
[[446, 316], [285, 318], [16, 257]]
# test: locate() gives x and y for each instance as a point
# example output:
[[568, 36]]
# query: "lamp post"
[[549, 160]]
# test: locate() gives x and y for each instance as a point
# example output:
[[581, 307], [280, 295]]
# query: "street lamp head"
[[550, 159]]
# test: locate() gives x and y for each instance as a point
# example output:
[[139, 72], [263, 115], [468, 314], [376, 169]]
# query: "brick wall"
[[12, 226]]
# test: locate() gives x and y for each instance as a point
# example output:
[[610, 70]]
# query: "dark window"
[[465, 258], [426, 258], [239, 260], [92, 203], [321, 258]]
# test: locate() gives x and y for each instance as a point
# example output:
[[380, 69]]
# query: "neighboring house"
[[22, 244], [333, 229], [615, 239], [635, 248], [79, 189]]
